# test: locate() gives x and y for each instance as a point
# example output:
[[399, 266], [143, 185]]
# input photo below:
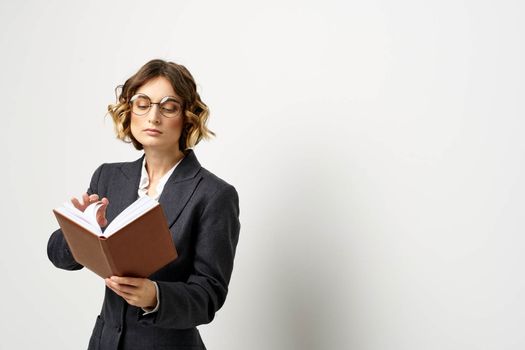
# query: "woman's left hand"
[[140, 292]]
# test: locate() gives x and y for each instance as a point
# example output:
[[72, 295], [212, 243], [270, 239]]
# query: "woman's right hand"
[[87, 200]]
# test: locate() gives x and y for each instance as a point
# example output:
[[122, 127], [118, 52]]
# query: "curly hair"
[[195, 111]]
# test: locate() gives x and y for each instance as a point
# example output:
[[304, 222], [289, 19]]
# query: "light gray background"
[[377, 147]]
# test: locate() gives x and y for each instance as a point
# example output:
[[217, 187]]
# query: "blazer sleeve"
[[57, 249], [194, 302]]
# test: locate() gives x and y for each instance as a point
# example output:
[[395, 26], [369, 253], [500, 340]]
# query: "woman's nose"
[[154, 114]]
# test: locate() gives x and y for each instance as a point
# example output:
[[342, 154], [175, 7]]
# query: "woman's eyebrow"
[[172, 97]]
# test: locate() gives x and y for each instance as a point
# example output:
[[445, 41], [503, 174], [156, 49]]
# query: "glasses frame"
[[163, 100]]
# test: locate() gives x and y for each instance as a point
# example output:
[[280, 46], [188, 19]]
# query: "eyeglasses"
[[168, 106]]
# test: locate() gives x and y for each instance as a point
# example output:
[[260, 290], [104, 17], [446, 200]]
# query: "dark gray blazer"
[[203, 216]]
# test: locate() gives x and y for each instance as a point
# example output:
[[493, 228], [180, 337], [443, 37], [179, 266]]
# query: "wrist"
[[152, 302], [156, 302]]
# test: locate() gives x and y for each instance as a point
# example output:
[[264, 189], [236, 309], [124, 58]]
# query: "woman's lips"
[[152, 132]]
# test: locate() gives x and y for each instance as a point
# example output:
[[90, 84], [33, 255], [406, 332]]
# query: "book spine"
[[107, 255]]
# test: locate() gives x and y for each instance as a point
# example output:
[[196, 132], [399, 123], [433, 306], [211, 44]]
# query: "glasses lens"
[[140, 105], [170, 108]]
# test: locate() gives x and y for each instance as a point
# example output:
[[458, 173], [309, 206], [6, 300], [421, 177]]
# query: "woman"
[[160, 112]]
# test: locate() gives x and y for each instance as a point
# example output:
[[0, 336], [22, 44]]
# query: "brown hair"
[[195, 112]]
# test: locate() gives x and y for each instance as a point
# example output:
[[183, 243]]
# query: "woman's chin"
[[151, 141], [157, 146]]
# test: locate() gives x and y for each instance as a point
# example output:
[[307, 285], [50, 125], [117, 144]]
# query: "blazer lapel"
[[176, 193], [180, 186], [126, 186]]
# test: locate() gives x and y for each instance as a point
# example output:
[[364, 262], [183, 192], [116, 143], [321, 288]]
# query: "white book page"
[[86, 221], [136, 209], [90, 213], [88, 218]]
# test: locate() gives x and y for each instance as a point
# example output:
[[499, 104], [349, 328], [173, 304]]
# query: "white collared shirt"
[[143, 191], [144, 181]]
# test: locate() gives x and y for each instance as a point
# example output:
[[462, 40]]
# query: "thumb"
[[101, 213]]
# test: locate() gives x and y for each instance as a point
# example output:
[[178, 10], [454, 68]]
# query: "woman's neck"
[[159, 163]]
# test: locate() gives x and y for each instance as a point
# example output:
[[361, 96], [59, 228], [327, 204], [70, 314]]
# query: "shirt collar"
[[144, 180]]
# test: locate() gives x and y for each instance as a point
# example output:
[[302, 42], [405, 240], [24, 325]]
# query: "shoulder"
[[209, 183], [215, 186], [219, 200], [114, 173], [212, 180], [125, 168], [121, 165]]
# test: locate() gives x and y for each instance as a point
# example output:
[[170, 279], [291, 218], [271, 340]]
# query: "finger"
[[93, 198], [102, 208], [119, 293], [102, 222], [77, 204], [101, 215], [131, 281], [124, 288], [101, 211], [121, 290], [85, 198], [130, 302]]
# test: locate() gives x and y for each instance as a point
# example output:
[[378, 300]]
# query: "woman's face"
[[152, 129]]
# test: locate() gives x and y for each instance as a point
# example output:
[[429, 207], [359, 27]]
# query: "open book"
[[136, 243]]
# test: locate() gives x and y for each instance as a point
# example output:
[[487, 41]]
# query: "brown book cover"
[[138, 249]]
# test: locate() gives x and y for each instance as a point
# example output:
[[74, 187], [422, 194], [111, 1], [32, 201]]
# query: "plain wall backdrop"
[[377, 148]]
